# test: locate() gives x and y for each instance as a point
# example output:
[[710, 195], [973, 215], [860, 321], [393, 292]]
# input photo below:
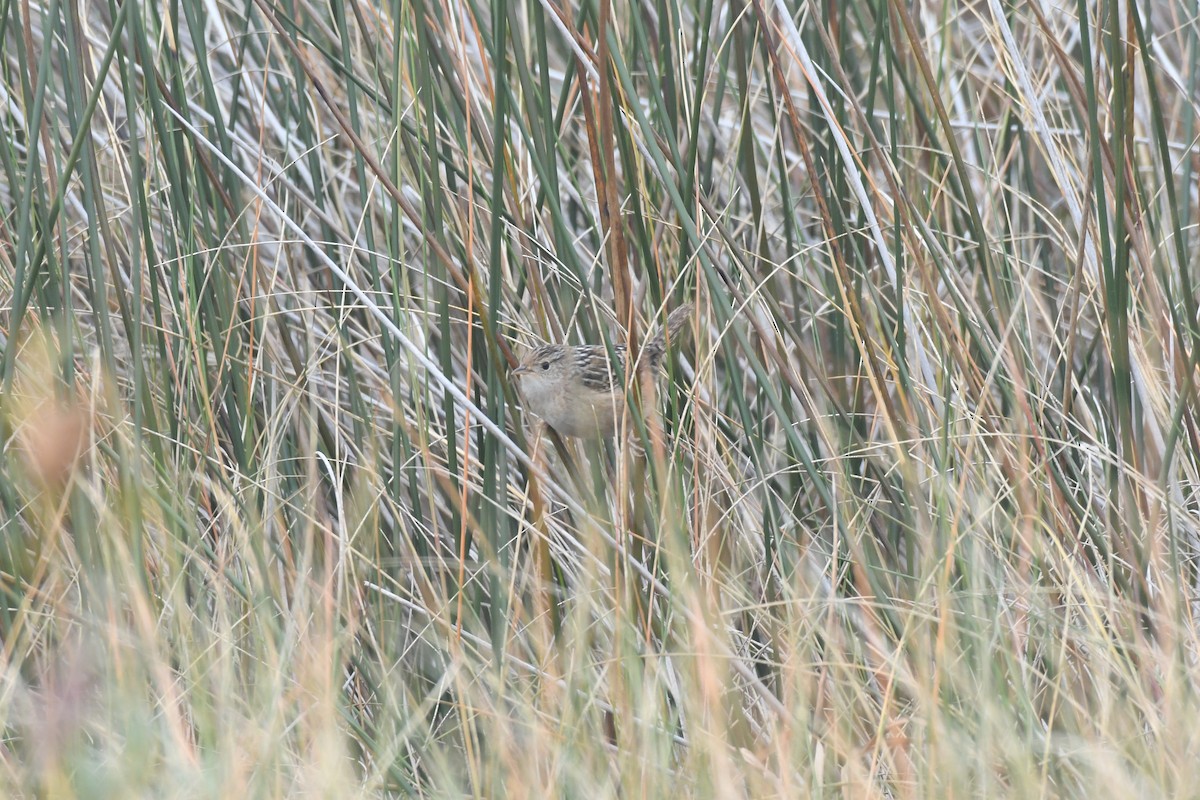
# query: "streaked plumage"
[[577, 391]]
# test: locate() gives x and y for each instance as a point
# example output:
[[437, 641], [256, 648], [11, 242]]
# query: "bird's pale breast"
[[576, 412]]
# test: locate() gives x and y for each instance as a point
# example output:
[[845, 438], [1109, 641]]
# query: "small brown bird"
[[576, 390]]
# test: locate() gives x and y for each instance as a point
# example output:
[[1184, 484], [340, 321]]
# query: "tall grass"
[[922, 517]]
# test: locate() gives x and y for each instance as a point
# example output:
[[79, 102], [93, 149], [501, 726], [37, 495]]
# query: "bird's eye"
[[545, 365]]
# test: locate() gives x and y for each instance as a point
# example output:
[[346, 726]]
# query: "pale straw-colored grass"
[[923, 519]]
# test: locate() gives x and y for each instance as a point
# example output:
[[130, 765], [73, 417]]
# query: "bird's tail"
[[676, 320], [657, 345]]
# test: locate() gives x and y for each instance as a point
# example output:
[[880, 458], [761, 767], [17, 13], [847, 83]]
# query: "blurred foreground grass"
[[272, 523]]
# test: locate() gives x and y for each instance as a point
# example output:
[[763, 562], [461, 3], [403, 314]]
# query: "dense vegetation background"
[[923, 522]]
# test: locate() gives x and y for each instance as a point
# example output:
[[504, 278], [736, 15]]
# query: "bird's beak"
[[520, 369]]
